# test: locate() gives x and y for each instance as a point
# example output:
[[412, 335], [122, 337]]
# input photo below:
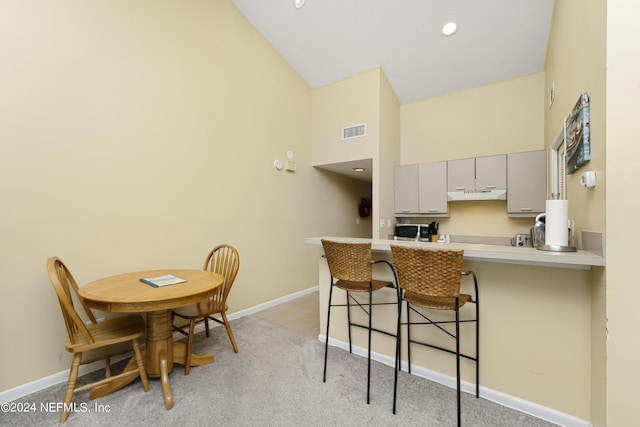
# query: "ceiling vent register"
[[355, 131]]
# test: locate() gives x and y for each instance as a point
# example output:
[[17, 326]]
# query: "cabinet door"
[[526, 183], [491, 172], [461, 175], [406, 189], [433, 188]]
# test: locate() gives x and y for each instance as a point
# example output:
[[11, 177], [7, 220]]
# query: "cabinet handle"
[[433, 210], [406, 210], [526, 209], [489, 186], [460, 188]]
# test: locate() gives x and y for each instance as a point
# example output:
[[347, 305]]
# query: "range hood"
[[460, 196]]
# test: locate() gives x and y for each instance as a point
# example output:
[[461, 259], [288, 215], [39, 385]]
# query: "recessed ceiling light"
[[358, 169], [449, 28], [298, 3]]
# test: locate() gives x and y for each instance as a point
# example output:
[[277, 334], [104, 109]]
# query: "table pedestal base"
[[160, 354]]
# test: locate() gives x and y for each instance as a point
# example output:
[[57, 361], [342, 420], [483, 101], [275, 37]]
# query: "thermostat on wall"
[[588, 179]]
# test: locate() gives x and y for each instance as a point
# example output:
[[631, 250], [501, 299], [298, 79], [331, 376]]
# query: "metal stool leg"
[[477, 339], [398, 358], [349, 318], [458, 360], [409, 336], [326, 341], [369, 345]]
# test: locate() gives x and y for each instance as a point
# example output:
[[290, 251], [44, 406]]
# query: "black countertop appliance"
[[420, 232]]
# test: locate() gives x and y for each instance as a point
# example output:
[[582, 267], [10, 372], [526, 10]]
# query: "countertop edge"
[[487, 253]]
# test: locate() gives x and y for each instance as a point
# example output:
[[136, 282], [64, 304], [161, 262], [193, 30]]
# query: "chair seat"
[[111, 331], [434, 302], [362, 286], [201, 309]]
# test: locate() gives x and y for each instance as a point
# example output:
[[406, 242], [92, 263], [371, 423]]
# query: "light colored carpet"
[[275, 380]]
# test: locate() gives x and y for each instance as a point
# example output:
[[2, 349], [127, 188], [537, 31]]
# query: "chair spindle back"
[[65, 286], [224, 260]]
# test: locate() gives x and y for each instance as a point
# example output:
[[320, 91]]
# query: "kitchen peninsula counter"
[[537, 325], [580, 259]]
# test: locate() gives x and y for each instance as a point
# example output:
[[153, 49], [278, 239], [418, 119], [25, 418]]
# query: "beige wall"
[[348, 102], [623, 293], [336, 206], [387, 159], [576, 62], [137, 135], [364, 98], [503, 117], [109, 111], [498, 118]]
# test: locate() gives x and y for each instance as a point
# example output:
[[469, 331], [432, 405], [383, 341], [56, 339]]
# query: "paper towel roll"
[[556, 230]]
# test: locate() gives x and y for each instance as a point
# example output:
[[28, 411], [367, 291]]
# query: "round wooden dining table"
[[128, 294]]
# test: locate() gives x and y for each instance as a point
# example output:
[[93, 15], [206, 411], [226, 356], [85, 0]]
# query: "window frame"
[[558, 152]]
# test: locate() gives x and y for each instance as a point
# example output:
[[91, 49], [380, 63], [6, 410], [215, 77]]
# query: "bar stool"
[[431, 279], [351, 269]]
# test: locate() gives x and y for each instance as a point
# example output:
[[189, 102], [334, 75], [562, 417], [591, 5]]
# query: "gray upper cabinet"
[[477, 174], [461, 175], [491, 172], [421, 190], [527, 183], [406, 186], [433, 188]]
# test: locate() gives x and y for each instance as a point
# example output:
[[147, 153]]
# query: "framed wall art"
[[577, 135]]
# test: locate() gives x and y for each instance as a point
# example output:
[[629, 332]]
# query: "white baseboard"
[[503, 399], [525, 406], [252, 310], [272, 303], [63, 376], [57, 378]]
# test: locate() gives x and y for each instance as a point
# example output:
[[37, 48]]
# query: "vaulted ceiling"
[[328, 40]]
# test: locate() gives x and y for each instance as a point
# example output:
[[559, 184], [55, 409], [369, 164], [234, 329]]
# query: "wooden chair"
[[431, 279], [351, 269], [83, 338], [224, 260]]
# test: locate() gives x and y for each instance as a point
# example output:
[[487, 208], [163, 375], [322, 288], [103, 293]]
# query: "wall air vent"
[[355, 131]]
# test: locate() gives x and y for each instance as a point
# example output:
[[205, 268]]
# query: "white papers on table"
[[166, 280]]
